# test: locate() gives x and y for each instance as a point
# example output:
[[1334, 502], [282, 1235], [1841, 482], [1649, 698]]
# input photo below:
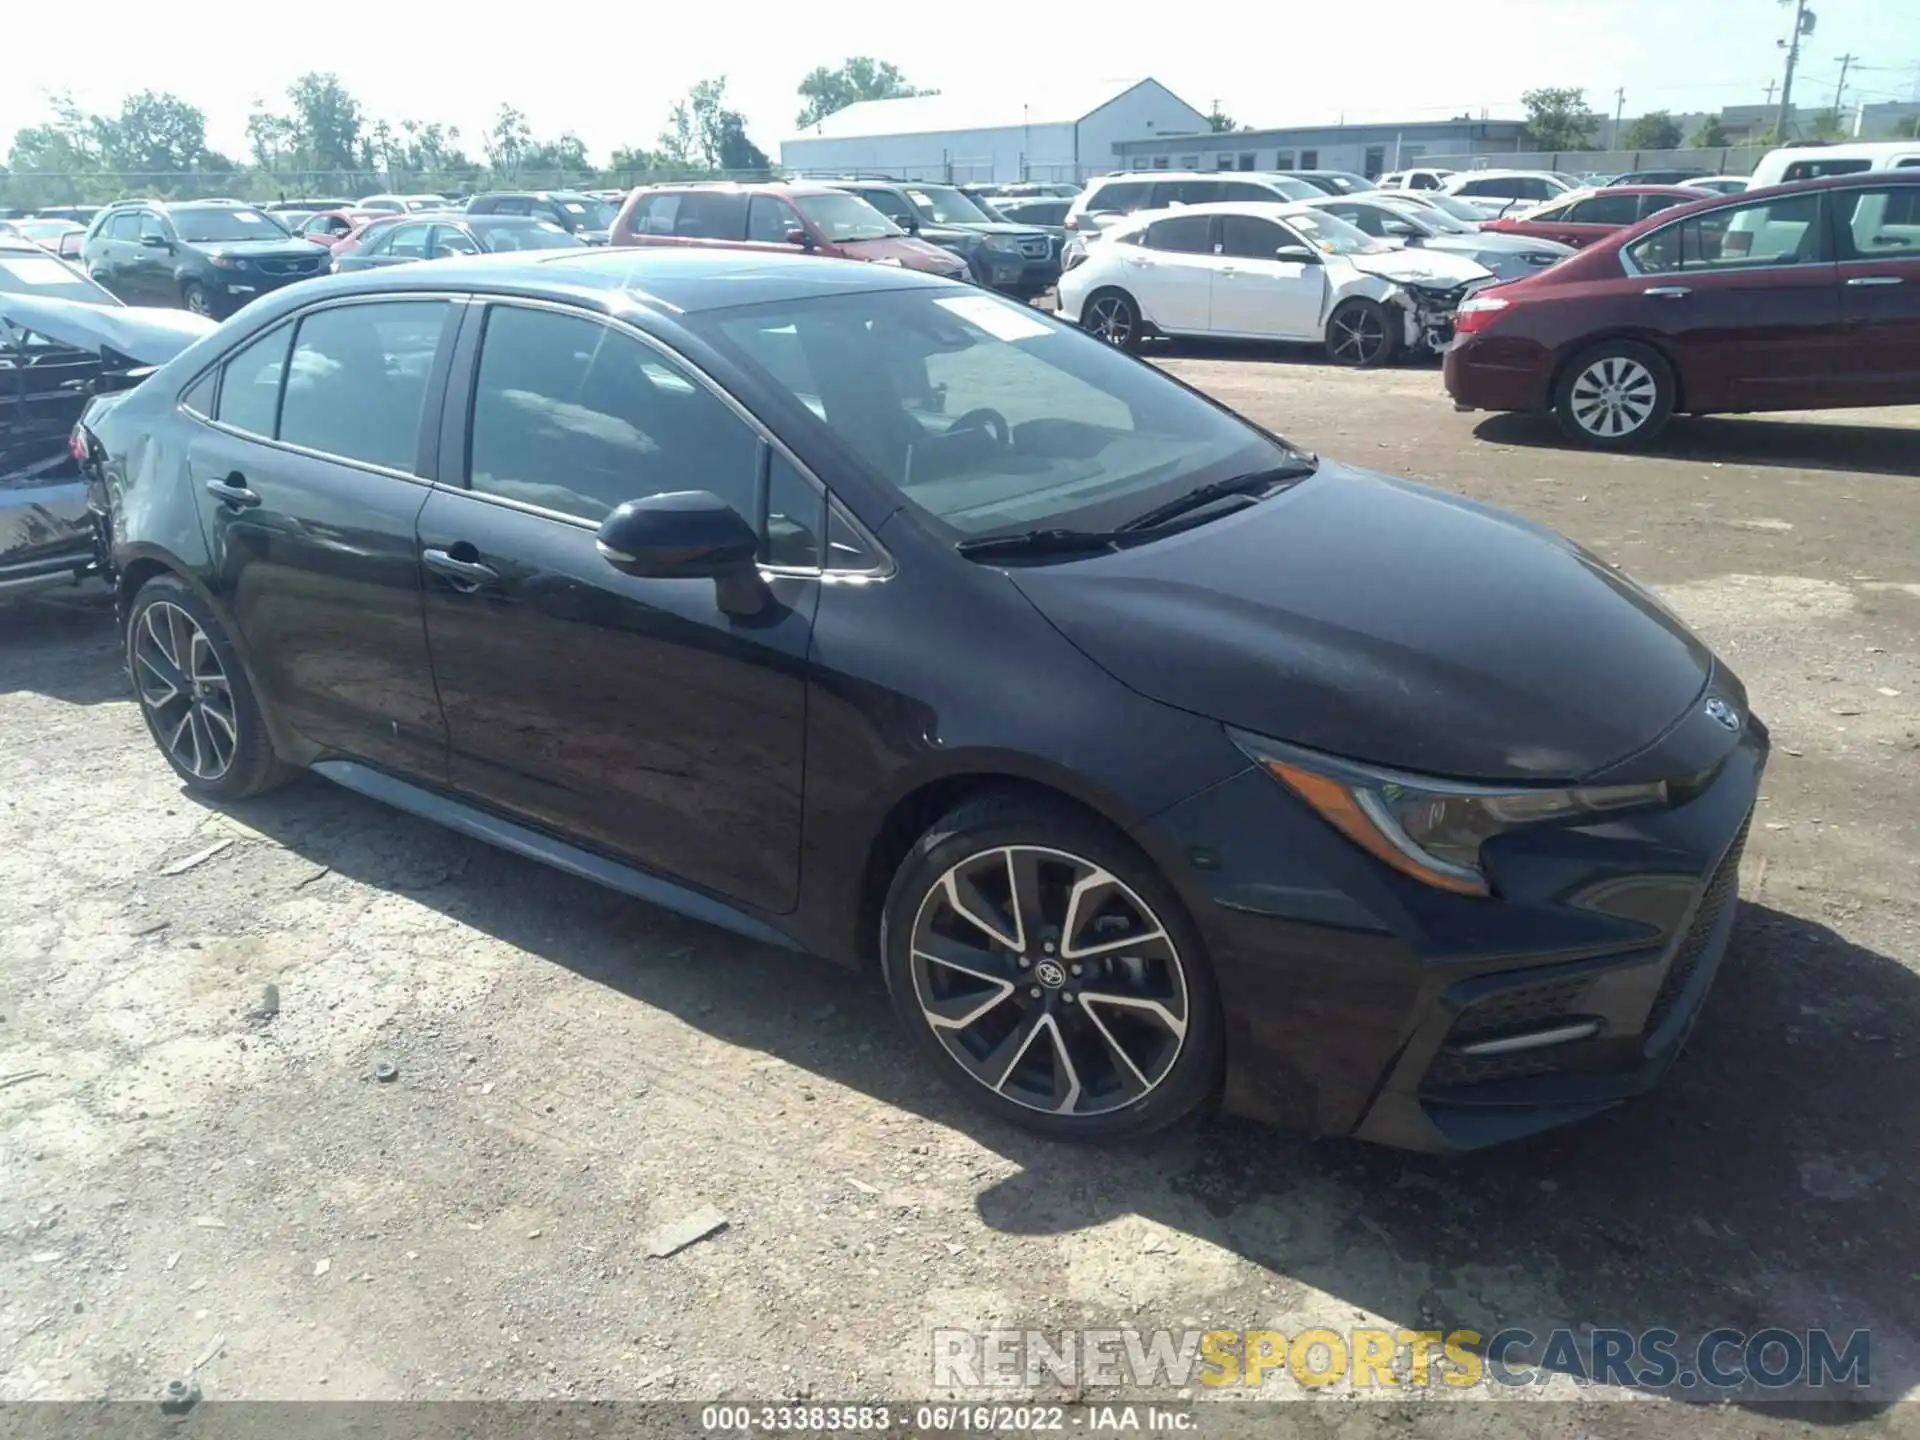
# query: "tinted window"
[[1814, 169], [1246, 238], [199, 399], [358, 381], [769, 218], [450, 240], [1111, 198], [1774, 232], [796, 516], [1186, 234], [1603, 210], [1654, 204], [706, 215], [512, 205], [152, 225], [1246, 190], [655, 214], [846, 550], [407, 240], [1190, 192], [1881, 224], [250, 383], [574, 416], [122, 227]]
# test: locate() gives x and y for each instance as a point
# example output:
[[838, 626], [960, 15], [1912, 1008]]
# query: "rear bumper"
[[1498, 372]]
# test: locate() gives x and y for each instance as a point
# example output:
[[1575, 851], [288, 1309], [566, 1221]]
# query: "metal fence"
[[1729, 160], [26, 190]]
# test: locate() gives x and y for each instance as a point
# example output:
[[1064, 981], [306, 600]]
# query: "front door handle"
[[233, 490], [1874, 280], [1667, 292], [466, 574]]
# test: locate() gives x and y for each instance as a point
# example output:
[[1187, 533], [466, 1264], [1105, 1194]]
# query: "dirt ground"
[[188, 1185]]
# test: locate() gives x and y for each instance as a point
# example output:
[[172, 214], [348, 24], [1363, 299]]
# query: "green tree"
[[1219, 121], [155, 134], [859, 78], [505, 144], [67, 144], [326, 122], [1711, 135], [1559, 119], [1655, 130], [269, 137]]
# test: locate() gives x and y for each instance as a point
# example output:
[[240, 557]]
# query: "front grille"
[[302, 266], [1693, 945], [1524, 1007], [1038, 249]]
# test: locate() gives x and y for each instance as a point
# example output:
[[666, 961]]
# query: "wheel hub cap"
[[183, 690], [1049, 981]]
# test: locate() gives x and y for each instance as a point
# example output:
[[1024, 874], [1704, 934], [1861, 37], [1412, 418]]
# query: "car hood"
[[1420, 267], [292, 247], [1494, 242], [912, 253], [1379, 620], [142, 334]]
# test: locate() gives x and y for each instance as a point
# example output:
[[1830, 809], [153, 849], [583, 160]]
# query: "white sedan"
[[1249, 271]]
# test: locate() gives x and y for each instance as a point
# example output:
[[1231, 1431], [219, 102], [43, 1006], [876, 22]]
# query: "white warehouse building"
[[1063, 134]]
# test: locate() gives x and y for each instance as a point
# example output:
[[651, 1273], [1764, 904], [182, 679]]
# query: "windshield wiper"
[[1248, 484], [1042, 542]]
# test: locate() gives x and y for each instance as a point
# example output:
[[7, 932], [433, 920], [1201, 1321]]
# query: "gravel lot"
[[186, 1181]]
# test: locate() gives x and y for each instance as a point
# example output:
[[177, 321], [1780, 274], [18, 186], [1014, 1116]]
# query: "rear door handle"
[[1874, 280], [469, 574], [1668, 292], [233, 490]]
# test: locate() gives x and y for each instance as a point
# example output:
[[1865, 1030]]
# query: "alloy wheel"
[[1613, 397], [1359, 335], [185, 691], [1112, 320], [1049, 981], [198, 302]]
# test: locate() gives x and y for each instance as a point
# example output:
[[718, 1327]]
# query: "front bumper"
[[1359, 1002], [47, 534], [236, 288]]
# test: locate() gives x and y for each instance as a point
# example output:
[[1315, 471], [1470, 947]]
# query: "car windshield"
[[990, 417], [203, 223], [1430, 220], [583, 212], [540, 235], [1452, 205], [1333, 236], [26, 273], [843, 217], [1346, 182], [944, 205]]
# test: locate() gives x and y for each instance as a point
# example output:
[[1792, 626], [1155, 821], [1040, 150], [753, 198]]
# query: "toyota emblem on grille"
[[1721, 711]]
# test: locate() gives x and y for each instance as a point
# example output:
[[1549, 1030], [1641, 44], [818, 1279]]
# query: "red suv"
[[1585, 216], [817, 219], [1798, 297]]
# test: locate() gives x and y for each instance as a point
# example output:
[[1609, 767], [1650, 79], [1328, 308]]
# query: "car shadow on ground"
[[1770, 1181], [62, 643], [1266, 352], [1738, 440]]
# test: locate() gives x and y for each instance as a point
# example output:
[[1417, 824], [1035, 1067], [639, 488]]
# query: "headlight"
[[1003, 244], [1427, 828], [228, 262]]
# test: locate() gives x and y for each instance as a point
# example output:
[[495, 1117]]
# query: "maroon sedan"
[[1799, 297], [1585, 216]]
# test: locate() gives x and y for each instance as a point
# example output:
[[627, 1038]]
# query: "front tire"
[[1113, 316], [1615, 395], [198, 299], [1050, 973], [1362, 334], [194, 694]]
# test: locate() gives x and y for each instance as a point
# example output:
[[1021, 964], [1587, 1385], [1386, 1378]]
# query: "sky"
[[609, 72]]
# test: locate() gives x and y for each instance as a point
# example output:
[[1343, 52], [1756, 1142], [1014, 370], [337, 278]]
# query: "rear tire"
[[1363, 334], [1102, 1021], [1615, 395], [1113, 316], [194, 694]]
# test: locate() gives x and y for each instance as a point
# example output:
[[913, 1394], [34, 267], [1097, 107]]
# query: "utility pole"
[[1619, 109], [1800, 26], [1772, 85], [1846, 63]]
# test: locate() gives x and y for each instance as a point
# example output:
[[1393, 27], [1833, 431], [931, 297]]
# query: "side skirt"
[[536, 845]]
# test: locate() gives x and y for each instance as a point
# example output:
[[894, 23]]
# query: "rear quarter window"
[[1816, 169]]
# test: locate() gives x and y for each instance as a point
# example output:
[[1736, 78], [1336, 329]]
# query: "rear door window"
[[357, 382], [1785, 231], [1189, 192], [1602, 210], [709, 215], [1881, 224], [1182, 234]]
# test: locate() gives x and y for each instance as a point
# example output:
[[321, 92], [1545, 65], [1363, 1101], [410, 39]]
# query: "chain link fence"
[[1727, 160]]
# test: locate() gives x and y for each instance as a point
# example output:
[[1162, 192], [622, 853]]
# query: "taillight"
[[77, 445], [1072, 222], [1477, 313]]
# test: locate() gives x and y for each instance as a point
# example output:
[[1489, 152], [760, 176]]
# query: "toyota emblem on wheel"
[[1721, 711], [1050, 973]]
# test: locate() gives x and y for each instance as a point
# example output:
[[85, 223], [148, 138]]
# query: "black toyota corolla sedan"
[[867, 614]]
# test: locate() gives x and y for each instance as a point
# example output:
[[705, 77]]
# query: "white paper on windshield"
[[998, 318], [34, 270], [248, 217]]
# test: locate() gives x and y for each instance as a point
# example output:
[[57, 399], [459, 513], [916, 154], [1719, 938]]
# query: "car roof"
[[677, 279], [1265, 210], [765, 187]]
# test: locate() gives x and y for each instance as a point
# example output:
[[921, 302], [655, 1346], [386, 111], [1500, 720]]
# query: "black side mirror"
[[686, 535], [156, 242], [799, 235], [908, 223], [1299, 254]]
